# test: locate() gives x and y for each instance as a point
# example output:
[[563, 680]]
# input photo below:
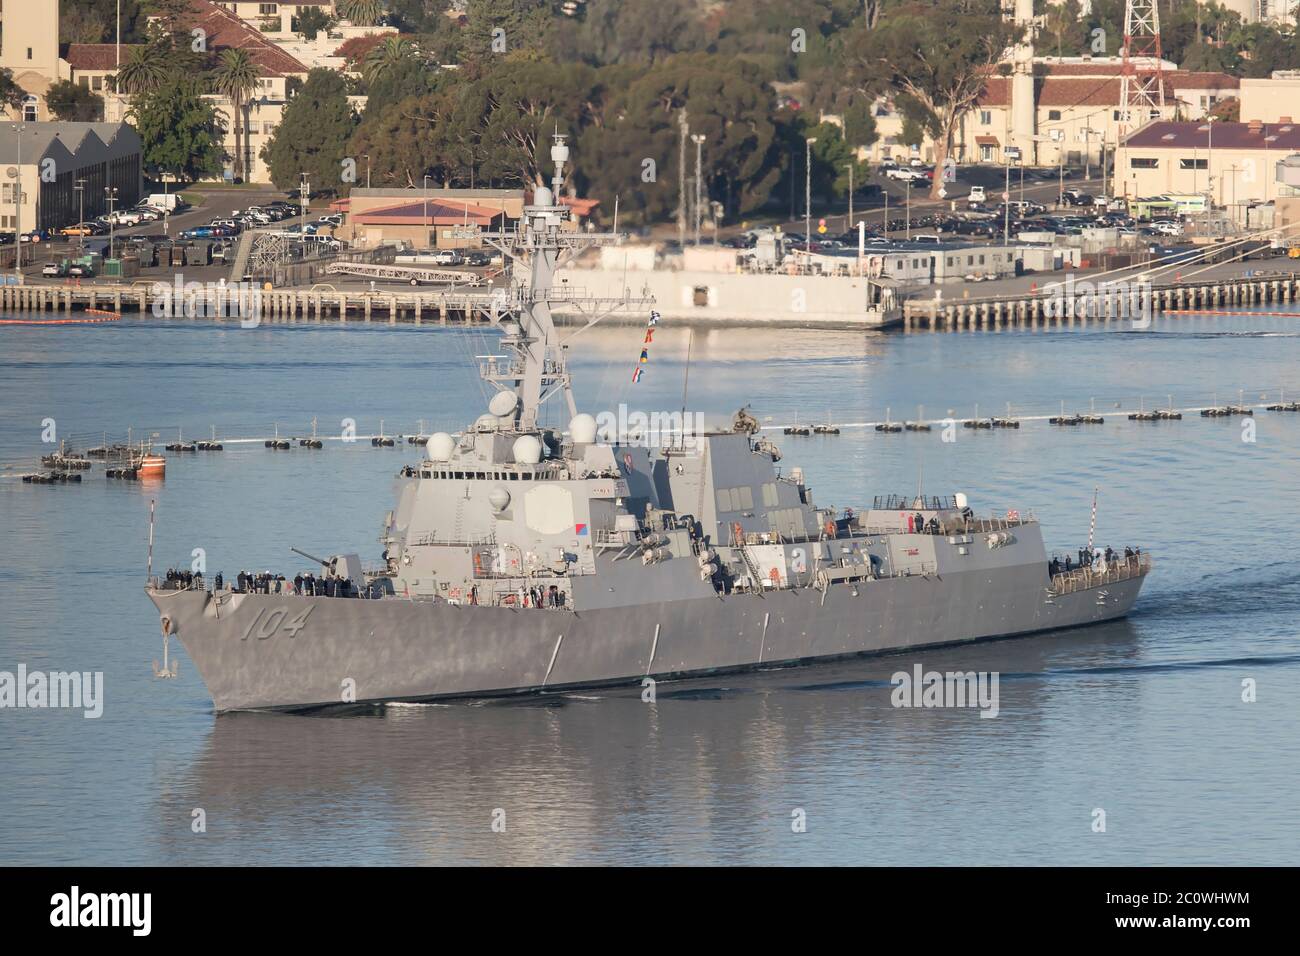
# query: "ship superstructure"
[[524, 558]]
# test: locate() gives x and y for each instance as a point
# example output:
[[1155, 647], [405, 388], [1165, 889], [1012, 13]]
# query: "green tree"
[[311, 21], [143, 70], [524, 25], [635, 119], [919, 51], [313, 136], [390, 53], [399, 81], [362, 13], [179, 130], [72, 102], [11, 94], [235, 78], [407, 140], [612, 31]]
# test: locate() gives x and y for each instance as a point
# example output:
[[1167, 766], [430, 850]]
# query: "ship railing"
[[429, 540], [964, 526], [1121, 569]]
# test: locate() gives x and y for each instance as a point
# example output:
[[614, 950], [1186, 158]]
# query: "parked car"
[[448, 257], [1076, 197], [333, 218], [198, 232], [56, 270], [1167, 227], [81, 271], [80, 229], [477, 258], [977, 194]]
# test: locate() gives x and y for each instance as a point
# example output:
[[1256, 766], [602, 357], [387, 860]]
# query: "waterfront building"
[[60, 171], [1269, 99], [1234, 163]]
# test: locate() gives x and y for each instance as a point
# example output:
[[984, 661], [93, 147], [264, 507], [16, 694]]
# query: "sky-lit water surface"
[[1141, 718]]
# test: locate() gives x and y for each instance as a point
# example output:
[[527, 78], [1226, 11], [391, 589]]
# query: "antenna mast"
[[1142, 87]]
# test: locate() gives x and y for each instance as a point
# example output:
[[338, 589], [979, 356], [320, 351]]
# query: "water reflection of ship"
[[599, 777]]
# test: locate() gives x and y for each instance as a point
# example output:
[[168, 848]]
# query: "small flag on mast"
[[645, 351]]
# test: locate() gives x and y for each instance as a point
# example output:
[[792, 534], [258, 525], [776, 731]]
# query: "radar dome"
[[543, 197], [503, 403], [527, 450], [441, 445], [485, 423], [583, 429], [498, 498]]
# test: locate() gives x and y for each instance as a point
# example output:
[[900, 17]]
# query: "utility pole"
[[698, 140], [367, 155], [807, 193], [683, 128], [424, 222], [907, 223]]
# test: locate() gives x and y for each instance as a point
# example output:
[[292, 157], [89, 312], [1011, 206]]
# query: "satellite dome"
[[543, 197], [527, 450], [441, 445], [583, 429], [503, 403], [498, 498]]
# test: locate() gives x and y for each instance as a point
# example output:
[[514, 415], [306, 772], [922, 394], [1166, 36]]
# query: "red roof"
[[95, 56], [225, 31], [1203, 81], [437, 212], [1065, 91], [1170, 135]]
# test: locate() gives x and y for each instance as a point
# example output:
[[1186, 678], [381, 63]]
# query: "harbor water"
[[1180, 725]]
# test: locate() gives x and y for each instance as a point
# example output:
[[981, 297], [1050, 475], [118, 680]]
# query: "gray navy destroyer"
[[525, 559]]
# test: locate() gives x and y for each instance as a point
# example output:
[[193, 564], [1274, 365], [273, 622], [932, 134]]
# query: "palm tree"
[[361, 13], [390, 52], [236, 78], [143, 71]]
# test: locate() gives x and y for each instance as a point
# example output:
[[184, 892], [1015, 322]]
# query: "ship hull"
[[279, 651]]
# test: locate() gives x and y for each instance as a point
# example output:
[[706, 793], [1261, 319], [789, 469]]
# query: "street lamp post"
[[698, 140], [18, 205], [304, 191], [110, 197], [807, 193], [367, 155], [907, 215], [1209, 160], [80, 187]]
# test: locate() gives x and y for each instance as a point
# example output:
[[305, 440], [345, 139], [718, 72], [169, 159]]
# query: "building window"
[[1053, 114], [1193, 164], [29, 53], [97, 83], [986, 117], [986, 153], [85, 81], [1143, 162], [268, 9]]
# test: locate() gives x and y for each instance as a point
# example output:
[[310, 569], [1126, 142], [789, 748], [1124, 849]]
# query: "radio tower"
[[1142, 88]]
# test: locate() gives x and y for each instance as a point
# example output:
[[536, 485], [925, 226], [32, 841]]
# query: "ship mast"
[[534, 367]]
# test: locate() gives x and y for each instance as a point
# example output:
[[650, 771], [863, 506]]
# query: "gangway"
[[415, 275]]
